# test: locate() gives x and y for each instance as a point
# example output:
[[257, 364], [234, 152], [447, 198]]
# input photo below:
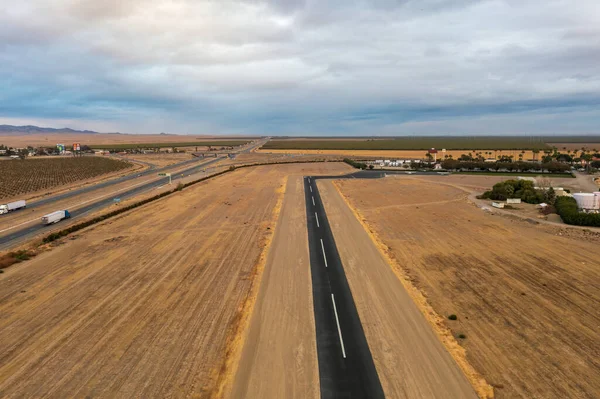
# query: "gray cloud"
[[300, 66]]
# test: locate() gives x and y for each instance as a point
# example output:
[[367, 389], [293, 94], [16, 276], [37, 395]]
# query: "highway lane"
[[18, 235], [108, 183], [346, 368], [22, 234], [152, 170]]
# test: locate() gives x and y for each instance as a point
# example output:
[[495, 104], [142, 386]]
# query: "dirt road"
[[526, 296], [279, 359], [410, 359]]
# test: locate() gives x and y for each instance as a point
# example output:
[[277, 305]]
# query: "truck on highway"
[[12, 206], [55, 217]]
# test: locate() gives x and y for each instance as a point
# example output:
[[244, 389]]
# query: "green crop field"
[[572, 139], [412, 143], [215, 143]]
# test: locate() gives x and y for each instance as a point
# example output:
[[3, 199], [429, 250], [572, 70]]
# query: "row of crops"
[[412, 143], [20, 177]]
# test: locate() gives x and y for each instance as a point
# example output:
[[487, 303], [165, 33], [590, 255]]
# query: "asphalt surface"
[[19, 235], [346, 367], [153, 170]]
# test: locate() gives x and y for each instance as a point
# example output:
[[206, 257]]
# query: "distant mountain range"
[[9, 129]]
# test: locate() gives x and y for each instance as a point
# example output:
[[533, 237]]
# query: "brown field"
[[485, 182], [159, 159], [527, 296], [576, 146], [50, 140], [148, 304], [416, 154], [23, 178], [409, 358]]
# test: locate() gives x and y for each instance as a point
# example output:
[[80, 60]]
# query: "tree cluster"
[[566, 207], [520, 166], [523, 189], [357, 165]]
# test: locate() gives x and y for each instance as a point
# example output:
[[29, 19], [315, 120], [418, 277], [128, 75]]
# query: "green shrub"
[[357, 165], [566, 207], [452, 317], [462, 336]]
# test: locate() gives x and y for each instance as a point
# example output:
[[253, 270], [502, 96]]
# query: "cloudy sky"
[[335, 67]]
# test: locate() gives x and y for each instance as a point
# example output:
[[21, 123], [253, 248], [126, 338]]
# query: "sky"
[[303, 67]]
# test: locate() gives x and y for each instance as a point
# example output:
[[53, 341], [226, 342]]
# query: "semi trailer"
[[55, 217], [12, 206]]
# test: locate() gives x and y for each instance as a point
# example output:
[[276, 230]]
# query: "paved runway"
[[346, 368]]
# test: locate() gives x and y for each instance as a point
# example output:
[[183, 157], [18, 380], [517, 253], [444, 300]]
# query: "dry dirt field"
[[259, 157], [410, 360], [527, 296], [160, 159], [148, 304]]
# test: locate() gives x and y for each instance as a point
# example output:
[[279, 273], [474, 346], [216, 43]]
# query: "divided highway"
[[24, 231], [17, 235], [346, 367]]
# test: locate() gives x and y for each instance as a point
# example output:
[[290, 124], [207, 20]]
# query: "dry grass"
[[526, 296]]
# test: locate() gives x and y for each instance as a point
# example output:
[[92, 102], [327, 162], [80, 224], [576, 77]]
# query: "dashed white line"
[[323, 248], [337, 320], [81, 203], [309, 180], [310, 188], [313, 198], [317, 216]]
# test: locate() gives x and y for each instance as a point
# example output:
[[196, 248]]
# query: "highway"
[[25, 231], [103, 185], [346, 368], [32, 228]]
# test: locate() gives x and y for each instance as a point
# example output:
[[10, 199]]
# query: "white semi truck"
[[12, 206], [55, 217]]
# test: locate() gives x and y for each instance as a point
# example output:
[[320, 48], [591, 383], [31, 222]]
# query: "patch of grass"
[[452, 317], [11, 258]]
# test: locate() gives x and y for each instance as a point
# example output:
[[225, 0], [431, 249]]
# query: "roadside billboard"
[[60, 148], [76, 147]]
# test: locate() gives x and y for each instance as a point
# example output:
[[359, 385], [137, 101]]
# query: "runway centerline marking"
[[337, 320], [323, 248], [313, 199], [317, 216]]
